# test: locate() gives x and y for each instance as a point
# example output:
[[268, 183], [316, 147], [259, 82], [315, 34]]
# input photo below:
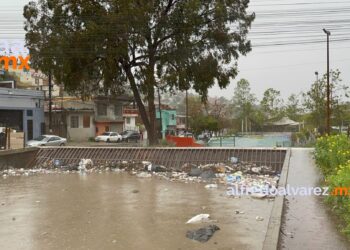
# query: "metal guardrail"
[[169, 157]]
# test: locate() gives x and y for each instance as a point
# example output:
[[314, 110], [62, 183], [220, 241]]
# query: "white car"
[[109, 137], [47, 140]]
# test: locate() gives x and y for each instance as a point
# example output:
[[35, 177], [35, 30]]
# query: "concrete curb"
[[274, 226], [17, 151]]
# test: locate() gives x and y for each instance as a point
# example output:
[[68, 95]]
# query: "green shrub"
[[341, 203], [332, 155], [331, 152]]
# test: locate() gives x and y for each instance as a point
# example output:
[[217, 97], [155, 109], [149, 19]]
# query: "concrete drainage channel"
[[172, 158]]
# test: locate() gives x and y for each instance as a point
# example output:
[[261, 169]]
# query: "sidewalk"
[[307, 224]]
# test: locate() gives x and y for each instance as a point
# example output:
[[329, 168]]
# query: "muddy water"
[[101, 211]]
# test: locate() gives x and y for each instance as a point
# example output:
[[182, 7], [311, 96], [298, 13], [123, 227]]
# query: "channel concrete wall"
[[18, 158]]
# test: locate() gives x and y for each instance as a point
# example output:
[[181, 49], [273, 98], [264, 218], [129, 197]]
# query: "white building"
[[23, 111]]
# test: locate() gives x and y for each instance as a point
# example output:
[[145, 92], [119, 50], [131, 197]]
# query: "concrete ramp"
[[169, 157]]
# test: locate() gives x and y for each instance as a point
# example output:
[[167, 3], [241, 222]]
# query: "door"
[[30, 129], [54, 141]]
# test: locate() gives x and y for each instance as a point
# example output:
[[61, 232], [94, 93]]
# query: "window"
[[86, 121], [29, 112], [102, 109], [74, 121], [42, 128], [172, 117], [54, 139], [118, 110], [128, 120]]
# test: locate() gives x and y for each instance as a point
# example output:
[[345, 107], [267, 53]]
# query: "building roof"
[[22, 93], [285, 121]]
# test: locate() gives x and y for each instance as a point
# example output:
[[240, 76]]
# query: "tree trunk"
[[151, 82], [139, 102], [153, 138]]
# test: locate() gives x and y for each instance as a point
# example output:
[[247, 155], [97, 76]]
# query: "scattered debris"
[[144, 175], [234, 159], [198, 218], [237, 175], [85, 164], [202, 234], [259, 218], [239, 212], [211, 186]]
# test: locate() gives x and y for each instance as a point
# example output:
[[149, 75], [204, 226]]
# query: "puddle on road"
[[119, 211]]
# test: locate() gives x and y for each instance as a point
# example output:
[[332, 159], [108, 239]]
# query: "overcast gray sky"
[[295, 25]]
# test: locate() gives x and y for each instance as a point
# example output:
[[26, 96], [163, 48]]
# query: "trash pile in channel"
[[238, 177]]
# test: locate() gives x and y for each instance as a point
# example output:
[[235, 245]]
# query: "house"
[[79, 120], [109, 114], [180, 122], [168, 121], [130, 114], [71, 118], [23, 111]]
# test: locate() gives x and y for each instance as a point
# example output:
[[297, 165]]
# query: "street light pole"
[[328, 118]]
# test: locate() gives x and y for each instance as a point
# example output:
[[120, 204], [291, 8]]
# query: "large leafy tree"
[[272, 103], [172, 44], [244, 101], [293, 108], [315, 101]]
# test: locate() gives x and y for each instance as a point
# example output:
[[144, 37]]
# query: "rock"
[[203, 234], [135, 191], [198, 218]]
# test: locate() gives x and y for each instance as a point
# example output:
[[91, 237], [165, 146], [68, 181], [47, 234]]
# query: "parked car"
[[109, 137], [130, 135], [47, 140], [185, 134]]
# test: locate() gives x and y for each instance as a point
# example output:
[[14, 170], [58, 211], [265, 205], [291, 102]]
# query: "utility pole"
[[186, 110], [328, 119], [50, 102]]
